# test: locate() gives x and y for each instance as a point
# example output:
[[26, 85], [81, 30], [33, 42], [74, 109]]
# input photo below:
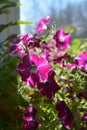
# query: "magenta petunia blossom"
[[42, 26], [61, 59], [62, 39], [33, 124], [30, 120], [84, 118], [81, 61], [70, 65], [64, 114], [50, 87], [26, 38], [46, 51], [19, 46], [24, 44], [31, 112], [34, 69]]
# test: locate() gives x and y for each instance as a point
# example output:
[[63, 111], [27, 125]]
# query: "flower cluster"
[[38, 57]]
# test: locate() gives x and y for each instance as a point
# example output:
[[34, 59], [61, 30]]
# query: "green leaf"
[[4, 26], [8, 5], [23, 22], [4, 1]]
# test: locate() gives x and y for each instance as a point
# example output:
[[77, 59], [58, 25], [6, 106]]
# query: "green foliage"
[[12, 105], [5, 6]]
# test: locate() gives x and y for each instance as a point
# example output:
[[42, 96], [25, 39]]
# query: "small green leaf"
[[23, 22]]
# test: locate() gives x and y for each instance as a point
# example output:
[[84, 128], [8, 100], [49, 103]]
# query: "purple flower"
[[70, 65], [33, 69], [30, 41], [84, 118], [64, 114], [19, 46], [49, 87], [30, 120], [46, 51], [42, 26], [62, 39], [31, 112], [61, 59], [33, 124], [81, 95], [33, 42], [81, 61]]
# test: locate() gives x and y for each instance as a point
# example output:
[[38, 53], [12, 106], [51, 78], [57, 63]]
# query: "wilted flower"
[[64, 114], [62, 39], [42, 26]]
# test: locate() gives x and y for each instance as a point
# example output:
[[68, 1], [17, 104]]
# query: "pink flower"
[[62, 39], [84, 118], [26, 38], [33, 69], [61, 59], [64, 114], [81, 61], [42, 26], [46, 51], [70, 65], [19, 46], [50, 87], [30, 120], [33, 124]]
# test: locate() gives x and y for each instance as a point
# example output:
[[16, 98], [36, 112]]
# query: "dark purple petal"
[[64, 114], [50, 87], [84, 118], [30, 120], [31, 125]]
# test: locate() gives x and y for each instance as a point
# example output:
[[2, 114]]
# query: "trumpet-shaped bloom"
[[62, 39], [64, 114], [81, 61], [34, 69], [42, 26], [50, 87]]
